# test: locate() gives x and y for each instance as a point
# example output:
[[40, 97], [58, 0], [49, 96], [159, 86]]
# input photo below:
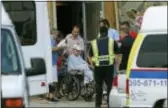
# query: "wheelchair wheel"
[[64, 85], [70, 87], [88, 92]]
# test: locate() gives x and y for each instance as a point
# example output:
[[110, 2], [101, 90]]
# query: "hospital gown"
[[77, 63]]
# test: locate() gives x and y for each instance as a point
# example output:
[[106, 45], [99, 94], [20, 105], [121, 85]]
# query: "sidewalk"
[[35, 102]]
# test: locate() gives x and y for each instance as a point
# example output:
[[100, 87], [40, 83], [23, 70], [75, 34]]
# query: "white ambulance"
[[145, 82], [26, 66], [147, 70]]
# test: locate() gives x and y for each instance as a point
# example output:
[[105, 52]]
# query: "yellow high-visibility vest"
[[97, 58]]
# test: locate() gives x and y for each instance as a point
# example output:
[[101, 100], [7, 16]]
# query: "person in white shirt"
[[76, 62], [70, 40], [74, 38]]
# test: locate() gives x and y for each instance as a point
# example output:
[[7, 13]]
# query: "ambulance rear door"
[[32, 26]]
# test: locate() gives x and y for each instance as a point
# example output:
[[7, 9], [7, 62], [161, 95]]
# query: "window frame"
[[35, 22], [18, 60]]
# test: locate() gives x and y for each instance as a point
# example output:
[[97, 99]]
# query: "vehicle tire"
[[159, 104], [70, 87]]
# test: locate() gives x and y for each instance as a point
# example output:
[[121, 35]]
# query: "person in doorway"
[[112, 33], [52, 81], [102, 55], [76, 62], [74, 38], [126, 45]]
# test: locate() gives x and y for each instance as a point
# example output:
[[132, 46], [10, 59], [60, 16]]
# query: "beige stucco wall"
[[52, 14], [141, 6]]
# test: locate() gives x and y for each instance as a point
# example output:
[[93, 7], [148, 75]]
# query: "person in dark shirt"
[[126, 45], [105, 70]]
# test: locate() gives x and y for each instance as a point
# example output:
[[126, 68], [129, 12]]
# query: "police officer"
[[102, 54]]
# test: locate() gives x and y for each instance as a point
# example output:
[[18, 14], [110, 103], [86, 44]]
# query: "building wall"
[[110, 13], [52, 14], [93, 14], [115, 12], [140, 6]]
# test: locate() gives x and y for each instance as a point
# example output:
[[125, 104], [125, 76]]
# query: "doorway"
[[84, 14], [68, 15], [92, 17]]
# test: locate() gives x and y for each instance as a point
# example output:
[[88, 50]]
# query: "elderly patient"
[[76, 62]]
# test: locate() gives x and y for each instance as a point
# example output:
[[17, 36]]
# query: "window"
[[153, 52], [23, 15], [9, 56]]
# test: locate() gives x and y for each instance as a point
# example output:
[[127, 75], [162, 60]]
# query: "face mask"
[[103, 30]]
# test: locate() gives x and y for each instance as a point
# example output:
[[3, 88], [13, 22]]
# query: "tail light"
[[115, 81], [14, 103], [127, 86], [116, 85], [43, 84]]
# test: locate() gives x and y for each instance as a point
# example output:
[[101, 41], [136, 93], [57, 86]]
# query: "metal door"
[[92, 13]]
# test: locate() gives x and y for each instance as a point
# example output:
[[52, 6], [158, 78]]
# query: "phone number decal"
[[147, 83]]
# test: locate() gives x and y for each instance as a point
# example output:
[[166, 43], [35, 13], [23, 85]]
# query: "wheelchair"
[[69, 85], [86, 90], [72, 85]]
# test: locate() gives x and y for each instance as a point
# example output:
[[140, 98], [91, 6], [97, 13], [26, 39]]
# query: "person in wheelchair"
[[76, 62]]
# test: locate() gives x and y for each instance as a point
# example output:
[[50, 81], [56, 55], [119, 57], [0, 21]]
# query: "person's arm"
[[114, 34], [56, 48], [62, 44], [118, 55], [90, 55]]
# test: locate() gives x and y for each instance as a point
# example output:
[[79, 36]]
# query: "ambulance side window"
[[23, 16], [153, 52], [9, 56]]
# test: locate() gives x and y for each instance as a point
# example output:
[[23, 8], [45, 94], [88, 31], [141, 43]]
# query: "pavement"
[[35, 102]]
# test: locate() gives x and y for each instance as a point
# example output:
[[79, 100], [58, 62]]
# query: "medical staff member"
[[102, 54]]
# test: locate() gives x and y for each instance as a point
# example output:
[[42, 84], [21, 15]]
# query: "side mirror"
[[162, 103], [38, 67]]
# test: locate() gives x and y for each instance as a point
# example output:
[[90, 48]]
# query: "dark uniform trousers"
[[103, 73]]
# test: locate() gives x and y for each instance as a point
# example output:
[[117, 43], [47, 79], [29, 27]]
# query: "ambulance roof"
[[5, 20], [155, 18]]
